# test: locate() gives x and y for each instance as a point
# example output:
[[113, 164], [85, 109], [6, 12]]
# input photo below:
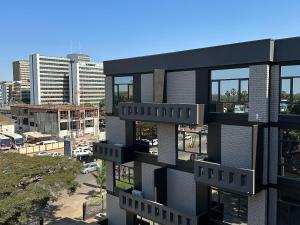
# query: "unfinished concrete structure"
[[58, 120], [243, 169]]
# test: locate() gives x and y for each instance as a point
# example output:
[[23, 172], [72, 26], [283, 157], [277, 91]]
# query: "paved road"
[[68, 208]]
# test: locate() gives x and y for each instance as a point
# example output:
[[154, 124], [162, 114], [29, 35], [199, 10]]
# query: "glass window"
[[290, 90], [123, 89], [230, 73], [124, 176], [215, 91], [228, 207], [146, 137], [244, 91], [288, 208], [192, 142], [229, 90], [289, 163]]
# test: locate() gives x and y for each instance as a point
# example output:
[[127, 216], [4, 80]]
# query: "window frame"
[[116, 100]]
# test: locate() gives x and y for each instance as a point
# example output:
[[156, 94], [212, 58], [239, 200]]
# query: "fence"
[[39, 148], [92, 208]]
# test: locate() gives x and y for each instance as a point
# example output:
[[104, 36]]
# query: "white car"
[[81, 152], [152, 143], [89, 167], [42, 154], [55, 154], [187, 136]]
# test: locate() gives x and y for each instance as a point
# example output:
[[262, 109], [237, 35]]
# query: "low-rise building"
[[58, 120], [7, 125]]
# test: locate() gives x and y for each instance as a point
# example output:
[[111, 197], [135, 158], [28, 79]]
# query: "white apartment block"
[[73, 79]]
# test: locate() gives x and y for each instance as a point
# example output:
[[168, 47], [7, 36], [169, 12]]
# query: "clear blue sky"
[[111, 29]]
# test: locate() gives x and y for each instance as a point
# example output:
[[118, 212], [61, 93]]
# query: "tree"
[[28, 184], [100, 178]]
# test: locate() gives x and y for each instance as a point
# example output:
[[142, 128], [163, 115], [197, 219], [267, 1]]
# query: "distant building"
[[70, 80], [7, 125], [10, 92], [58, 120], [21, 73]]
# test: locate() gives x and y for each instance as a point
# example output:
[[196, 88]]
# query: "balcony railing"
[[162, 112], [155, 211], [235, 179], [112, 152]]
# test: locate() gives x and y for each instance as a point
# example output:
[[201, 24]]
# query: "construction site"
[[58, 120]]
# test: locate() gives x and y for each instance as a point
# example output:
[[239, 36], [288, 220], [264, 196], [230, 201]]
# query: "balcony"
[[224, 177], [155, 211], [112, 152], [162, 112]]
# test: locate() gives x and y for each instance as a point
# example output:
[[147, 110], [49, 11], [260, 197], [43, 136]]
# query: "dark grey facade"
[[204, 136]]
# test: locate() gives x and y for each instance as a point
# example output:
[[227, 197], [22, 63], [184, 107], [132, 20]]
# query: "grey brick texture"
[[148, 181], [108, 94], [116, 215], [257, 208], [236, 146], [119, 131], [109, 170], [167, 151], [258, 93], [181, 191], [275, 89], [273, 155], [181, 87], [147, 88]]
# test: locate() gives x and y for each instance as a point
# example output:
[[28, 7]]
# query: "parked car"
[[81, 152], [89, 167], [56, 154], [187, 136], [46, 142], [152, 143], [42, 154]]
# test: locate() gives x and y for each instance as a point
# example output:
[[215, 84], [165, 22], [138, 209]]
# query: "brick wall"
[[148, 180], [258, 93], [181, 87], [147, 88], [108, 94], [236, 146], [167, 151], [257, 208], [275, 81], [115, 215]]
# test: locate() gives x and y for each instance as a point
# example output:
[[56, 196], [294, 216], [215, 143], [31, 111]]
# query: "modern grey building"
[[204, 136]]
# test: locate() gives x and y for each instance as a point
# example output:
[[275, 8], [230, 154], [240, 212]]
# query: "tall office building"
[[205, 136], [21, 73], [73, 79]]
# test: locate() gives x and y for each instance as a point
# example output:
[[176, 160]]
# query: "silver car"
[[89, 167]]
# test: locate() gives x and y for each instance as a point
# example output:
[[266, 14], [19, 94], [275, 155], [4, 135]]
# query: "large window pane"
[[214, 91], [228, 207], [229, 91], [296, 90], [244, 91], [289, 71], [289, 164], [124, 80], [230, 73], [285, 89]]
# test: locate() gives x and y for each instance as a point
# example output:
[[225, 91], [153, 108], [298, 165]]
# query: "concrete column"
[[275, 89], [257, 209], [272, 206], [158, 85], [148, 181], [109, 170], [274, 135], [167, 139], [119, 131], [109, 94], [147, 88], [259, 93], [115, 215]]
